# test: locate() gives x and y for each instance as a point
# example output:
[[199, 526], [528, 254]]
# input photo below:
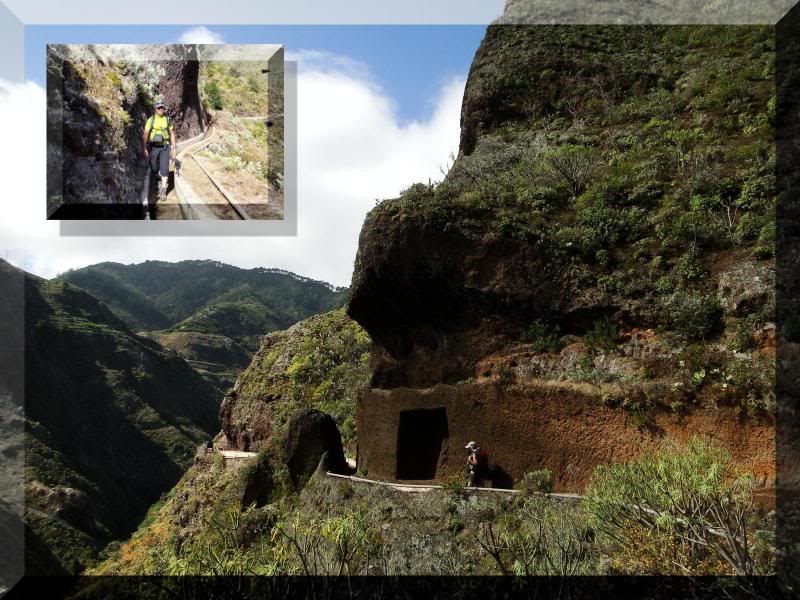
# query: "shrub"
[[539, 538], [214, 95], [692, 316], [679, 510], [453, 486], [743, 333], [639, 407], [539, 481], [688, 267], [665, 285], [749, 386], [571, 164], [609, 284], [600, 226], [542, 336], [762, 252], [678, 228], [603, 336]]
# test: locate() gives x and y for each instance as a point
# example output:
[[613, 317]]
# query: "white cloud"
[[351, 151], [200, 35], [321, 61]]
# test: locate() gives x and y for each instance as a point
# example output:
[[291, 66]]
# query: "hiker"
[[477, 465], [159, 140]]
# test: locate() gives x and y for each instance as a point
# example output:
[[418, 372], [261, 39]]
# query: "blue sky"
[[410, 63]]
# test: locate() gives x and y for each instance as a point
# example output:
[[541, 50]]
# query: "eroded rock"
[[311, 434], [747, 287]]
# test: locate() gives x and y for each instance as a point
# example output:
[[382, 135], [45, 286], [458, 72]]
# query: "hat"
[[160, 103], [471, 446]]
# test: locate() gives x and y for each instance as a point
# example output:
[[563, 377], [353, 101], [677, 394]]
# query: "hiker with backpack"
[[159, 140], [477, 465]]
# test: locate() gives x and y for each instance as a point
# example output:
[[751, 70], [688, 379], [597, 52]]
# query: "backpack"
[[158, 138], [482, 465]]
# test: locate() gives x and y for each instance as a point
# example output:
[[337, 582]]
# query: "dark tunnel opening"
[[420, 438]]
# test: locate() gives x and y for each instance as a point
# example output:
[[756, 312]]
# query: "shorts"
[[159, 159]]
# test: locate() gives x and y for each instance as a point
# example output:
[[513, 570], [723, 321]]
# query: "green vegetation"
[[236, 86], [692, 316], [542, 336], [321, 363], [661, 514], [603, 336], [112, 421], [205, 297], [214, 95], [241, 146], [680, 511], [605, 162], [539, 481]]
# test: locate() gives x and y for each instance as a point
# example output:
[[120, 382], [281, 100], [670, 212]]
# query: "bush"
[[639, 407], [743, 333], [749, 385], [694, 317], [681, 510], [665, 285], [539, 538], [571, 164], [542, 336], [762, 252], [539, 481], [603, 336], [214, 95], [688, 267]]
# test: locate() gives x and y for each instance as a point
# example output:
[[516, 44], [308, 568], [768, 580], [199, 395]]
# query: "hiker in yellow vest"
[[159, 141]]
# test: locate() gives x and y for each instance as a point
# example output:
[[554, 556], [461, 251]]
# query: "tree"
[[214, 95]]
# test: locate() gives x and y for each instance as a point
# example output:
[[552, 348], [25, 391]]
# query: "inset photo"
[[165, 132]]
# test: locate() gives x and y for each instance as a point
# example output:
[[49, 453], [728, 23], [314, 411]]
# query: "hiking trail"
[[198, 191]]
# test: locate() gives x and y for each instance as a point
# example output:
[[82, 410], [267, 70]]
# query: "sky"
[[410, 63], [378, 109]]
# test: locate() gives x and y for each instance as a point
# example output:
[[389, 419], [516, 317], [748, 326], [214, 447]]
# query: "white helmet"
[[471, 446]]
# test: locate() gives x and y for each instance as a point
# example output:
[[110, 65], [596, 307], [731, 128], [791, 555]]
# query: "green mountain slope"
[[319, 363], [164, 293], [112, 421], [223, 306]]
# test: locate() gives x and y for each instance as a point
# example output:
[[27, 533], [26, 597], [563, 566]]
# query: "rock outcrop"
[[598, 195], [320, 362], [312, 435]]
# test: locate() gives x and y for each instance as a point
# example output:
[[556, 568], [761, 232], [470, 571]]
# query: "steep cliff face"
[[609, 223], [99, 98]]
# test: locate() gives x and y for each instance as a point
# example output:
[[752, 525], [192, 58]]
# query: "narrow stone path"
[[418, 488]]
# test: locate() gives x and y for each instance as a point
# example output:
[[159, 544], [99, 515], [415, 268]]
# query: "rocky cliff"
[[99, 98], [601, 250], [294, 405]]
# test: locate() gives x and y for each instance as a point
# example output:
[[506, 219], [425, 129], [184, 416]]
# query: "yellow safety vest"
[[158, 125]]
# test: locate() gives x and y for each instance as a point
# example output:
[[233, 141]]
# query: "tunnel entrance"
[[420, 437]]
